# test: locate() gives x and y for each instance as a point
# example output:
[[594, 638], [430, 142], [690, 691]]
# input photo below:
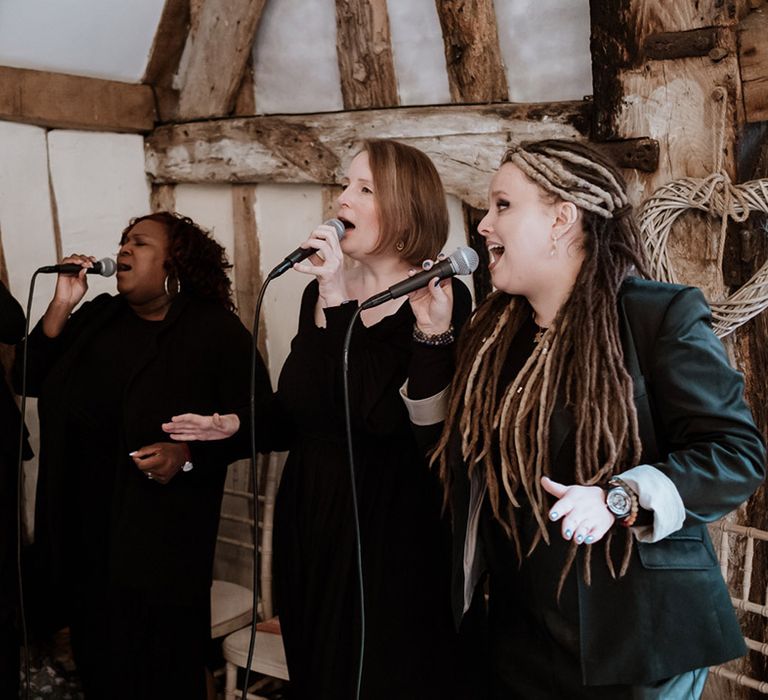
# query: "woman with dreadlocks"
[[592, 428]]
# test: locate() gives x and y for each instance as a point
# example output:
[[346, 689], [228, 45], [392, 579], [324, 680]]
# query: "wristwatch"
[[621, 501]]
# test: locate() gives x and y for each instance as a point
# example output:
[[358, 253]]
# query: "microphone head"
[[464, 260], [341, 229], [105, 267]]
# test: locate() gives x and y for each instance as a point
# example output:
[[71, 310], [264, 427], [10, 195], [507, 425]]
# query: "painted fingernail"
[[568, 534], [554, 515], [589, 539], [579, 539]]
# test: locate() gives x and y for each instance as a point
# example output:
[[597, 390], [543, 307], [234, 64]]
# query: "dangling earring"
[[553, 249], [400, 246], [167, 291]]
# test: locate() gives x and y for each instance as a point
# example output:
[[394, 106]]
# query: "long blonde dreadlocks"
[[579, 361]]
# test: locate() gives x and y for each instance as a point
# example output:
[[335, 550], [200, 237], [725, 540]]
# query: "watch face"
[[618, 502]]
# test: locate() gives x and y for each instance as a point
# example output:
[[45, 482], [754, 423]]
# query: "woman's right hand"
[[70, 289], [191, 426], [432, 305], [327, 264]]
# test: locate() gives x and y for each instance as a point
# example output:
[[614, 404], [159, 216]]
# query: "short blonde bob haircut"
[[410, 198]]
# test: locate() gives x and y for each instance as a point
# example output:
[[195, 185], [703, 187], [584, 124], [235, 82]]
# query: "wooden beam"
[[220, 42], [162, 198], [168, 45], [481, 277], [753, 62], [247, 261], [165, 55], [472, 53], [58, 100], [364, 52], [464, 142]]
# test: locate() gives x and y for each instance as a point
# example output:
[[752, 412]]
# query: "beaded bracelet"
[[444, 338]]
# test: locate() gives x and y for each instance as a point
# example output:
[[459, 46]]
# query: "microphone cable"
[[353, 485], [20, 491], [254, 480]]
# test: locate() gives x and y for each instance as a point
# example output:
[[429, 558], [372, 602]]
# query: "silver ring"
[[149, 475]]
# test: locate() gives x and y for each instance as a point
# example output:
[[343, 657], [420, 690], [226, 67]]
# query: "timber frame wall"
[[656, 65]]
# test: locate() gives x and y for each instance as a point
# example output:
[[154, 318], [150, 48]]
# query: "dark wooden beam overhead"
[[57, 100], [168, 45], [753, 63], [165, 55], [220, 42], [364, 51], [472, 54]]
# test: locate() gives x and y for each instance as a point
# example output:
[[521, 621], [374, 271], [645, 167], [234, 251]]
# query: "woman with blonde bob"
[[394, 210], [592, 429]]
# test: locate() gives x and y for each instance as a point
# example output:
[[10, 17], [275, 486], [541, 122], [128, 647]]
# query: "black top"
[[409, 640], [160, 538]]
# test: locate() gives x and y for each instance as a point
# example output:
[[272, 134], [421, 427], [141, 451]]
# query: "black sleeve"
[[11, 317], [43, 352], [716, 454], [233, 360], [432, 366]]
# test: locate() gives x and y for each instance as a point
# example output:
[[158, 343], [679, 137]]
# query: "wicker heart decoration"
[[717, 196]]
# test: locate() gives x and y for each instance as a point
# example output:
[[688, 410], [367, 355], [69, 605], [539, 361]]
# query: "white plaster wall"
[[99, 184], [95, 38], [545, 47], [417, 50], [285, 216], [294, 58], [26, 223], [211, 207]]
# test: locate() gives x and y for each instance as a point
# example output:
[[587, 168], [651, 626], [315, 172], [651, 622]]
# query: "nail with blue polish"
[[579, 539], [568, 534], [589, 539], [554, 515]]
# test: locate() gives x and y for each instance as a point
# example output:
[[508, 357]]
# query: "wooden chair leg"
[[230, 684]]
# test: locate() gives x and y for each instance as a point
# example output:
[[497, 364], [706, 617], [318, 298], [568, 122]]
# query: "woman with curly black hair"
[[126, 518]]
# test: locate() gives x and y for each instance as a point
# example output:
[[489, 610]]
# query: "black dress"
[[126, 561], [409, 641]]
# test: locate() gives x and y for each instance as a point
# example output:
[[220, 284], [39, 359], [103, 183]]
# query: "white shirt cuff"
[[427, 411], [655, 492]]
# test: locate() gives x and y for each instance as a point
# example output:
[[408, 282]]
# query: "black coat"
[[162, 538], [672, 612], [11, 331]]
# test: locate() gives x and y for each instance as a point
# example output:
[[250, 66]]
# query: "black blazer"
[[671, 613], [163, 537]]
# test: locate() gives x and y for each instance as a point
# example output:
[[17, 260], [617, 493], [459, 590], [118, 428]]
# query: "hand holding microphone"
[[71, 286], [326, 261], [431, 302]]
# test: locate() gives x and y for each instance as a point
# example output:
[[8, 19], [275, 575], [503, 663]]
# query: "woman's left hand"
[[161, 461], [581, 509]]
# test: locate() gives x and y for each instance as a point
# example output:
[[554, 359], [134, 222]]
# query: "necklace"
[[539, 331]]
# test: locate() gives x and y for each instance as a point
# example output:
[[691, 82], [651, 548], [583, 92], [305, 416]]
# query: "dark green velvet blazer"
[[671, 613]]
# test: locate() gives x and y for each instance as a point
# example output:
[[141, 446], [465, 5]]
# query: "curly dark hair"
[[196, 260]]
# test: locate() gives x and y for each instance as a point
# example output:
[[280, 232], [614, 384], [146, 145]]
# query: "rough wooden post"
[[472, 53], [364, 51]]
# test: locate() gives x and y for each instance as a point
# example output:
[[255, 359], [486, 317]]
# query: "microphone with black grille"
[[463, 261], [105, 267]]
